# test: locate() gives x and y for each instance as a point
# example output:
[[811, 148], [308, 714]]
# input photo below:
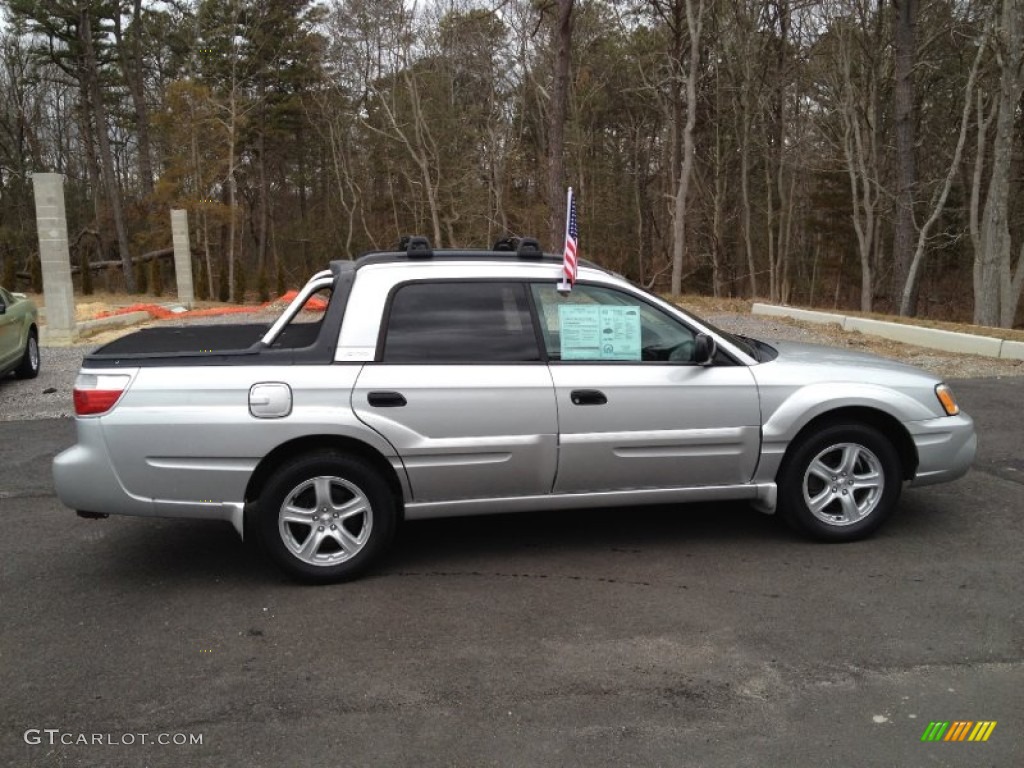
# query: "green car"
[[19, 336]]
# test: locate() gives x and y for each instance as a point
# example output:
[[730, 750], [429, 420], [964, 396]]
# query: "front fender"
[[784, 422], [804, 405]]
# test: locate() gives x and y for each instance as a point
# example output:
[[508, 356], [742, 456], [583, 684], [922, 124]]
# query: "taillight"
[[97, 393]]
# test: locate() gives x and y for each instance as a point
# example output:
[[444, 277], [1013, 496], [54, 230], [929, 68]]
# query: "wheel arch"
[[885, 423], [31, 331], [314, 443]]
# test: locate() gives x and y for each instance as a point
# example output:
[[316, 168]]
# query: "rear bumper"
[[945, 448], [85, 480]]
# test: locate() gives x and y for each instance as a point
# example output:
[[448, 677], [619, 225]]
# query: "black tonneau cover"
[[213, 345], [305, 343], [186, 339]]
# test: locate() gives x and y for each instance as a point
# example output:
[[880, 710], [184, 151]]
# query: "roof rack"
[[507, 247], [524, 247], [529, 248], [415, 247]]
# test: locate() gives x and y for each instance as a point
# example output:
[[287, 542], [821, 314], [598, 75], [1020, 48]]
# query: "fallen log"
[[162, 253], [97, 266]]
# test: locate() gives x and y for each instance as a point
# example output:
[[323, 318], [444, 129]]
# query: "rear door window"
[[460, 322]]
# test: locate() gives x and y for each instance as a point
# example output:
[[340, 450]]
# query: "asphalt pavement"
[[673, 636]]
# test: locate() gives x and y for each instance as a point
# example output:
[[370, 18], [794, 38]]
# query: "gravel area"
[[49, 395]]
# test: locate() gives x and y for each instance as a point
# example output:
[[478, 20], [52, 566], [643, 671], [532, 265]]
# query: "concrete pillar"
[[58, 290], [182, 257]]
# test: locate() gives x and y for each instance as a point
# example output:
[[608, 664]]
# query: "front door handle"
[[588, 397], [386, 399]]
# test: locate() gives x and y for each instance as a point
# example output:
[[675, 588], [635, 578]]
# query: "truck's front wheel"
[[326, 517], [841, 483]]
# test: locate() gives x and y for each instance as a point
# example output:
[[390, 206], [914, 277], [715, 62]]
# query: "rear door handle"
[[588, 397], [386, 399]]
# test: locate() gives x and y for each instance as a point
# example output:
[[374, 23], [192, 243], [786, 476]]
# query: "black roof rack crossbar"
[[417, 247], [529, 248]]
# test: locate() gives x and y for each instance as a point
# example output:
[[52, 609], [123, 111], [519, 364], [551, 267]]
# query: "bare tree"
[[92, 74], [997, 285], [907, 298], [905, 39], [561, 43], [689, 74], [850, 89]]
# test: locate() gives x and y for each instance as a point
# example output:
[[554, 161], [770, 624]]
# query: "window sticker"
[[597, 332]]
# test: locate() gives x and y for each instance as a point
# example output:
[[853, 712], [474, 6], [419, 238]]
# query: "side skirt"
[[763, 496]]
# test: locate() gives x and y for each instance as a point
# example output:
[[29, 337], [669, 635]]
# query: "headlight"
[[945, 395]]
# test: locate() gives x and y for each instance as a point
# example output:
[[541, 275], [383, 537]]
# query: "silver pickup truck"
[[440, 383]]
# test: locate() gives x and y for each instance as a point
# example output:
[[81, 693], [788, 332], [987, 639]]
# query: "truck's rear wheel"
[[326, 517]]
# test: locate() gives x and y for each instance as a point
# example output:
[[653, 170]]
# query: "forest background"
[[864, 154]]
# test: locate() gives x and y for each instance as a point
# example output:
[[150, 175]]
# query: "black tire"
[[29, 366], [840, 483], [323, 537]]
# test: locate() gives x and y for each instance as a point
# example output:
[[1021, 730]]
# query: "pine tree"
[[82, 55]]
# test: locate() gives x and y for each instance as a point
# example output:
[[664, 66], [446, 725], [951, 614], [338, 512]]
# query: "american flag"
[[569, 263]]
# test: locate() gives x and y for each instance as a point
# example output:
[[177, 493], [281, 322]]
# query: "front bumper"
[[945, 448]]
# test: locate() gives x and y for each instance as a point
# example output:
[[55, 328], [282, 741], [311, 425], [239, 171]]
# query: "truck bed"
[[205, 345]]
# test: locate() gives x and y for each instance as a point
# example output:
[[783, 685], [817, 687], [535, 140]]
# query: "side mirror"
[[704, 349]]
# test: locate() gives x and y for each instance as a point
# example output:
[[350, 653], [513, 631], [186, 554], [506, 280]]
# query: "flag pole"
[[564, 287]]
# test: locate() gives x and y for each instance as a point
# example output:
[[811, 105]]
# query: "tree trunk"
[[748, 242], [232, 190], [561, 38], [994, 303], [91, 70], [1011, 88], [92, 164], [303, 204], [262, 211], [906, 165], [913, 274], [693, 25], [130, 57]]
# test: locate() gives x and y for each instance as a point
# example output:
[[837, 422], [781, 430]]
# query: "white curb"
[[933, 338]]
